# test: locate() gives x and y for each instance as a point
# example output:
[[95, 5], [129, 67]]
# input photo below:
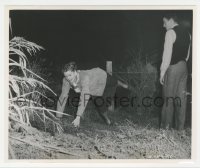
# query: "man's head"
[[70, 71], [170, 20]]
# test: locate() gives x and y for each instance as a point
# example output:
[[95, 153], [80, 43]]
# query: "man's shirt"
[[170, 38], [176, 47]]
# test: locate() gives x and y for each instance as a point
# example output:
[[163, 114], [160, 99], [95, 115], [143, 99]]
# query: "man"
[[94, 82], [173, 75]]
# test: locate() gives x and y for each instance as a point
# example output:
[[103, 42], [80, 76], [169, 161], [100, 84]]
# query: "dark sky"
[[91, 37]]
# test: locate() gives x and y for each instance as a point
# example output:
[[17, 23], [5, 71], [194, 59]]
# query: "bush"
[[142, 78]]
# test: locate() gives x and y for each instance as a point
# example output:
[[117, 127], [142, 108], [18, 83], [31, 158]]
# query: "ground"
[[130, 136]]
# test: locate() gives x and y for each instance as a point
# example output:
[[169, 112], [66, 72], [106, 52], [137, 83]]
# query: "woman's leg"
[[103, 102]]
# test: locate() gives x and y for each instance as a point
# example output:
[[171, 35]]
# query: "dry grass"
[[124, 139], [26, 88], [142, 77]]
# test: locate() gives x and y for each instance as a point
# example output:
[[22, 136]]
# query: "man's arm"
[[167, 53], [84, 98], [63, 97]]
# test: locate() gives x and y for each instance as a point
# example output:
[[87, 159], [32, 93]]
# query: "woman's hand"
[[76, 122]]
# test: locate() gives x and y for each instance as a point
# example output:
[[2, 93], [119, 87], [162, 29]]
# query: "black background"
[[91, 37]]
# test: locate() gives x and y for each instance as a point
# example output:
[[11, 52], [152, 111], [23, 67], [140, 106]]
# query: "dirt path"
[[124, 139]]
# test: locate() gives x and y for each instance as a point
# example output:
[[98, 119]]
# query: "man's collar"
[[176, 24]]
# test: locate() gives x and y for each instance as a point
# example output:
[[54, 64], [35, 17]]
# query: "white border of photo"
[[5, 6]]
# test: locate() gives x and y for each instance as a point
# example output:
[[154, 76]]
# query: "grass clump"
[[27, 88]]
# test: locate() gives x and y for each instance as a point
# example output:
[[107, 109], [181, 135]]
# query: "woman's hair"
[[71, 66], [171, 15]]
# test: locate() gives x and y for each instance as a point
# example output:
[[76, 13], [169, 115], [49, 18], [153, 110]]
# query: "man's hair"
[[71, 66], [171, 15]]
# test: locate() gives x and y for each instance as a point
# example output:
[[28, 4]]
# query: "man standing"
[[173, 75], [95, 83]]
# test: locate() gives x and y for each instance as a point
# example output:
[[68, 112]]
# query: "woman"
[[94, 83]]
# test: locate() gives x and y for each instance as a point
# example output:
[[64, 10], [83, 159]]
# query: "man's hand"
[[76, 122], [162, 79]]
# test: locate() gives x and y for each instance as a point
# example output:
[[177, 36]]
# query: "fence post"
[[109, 71]]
